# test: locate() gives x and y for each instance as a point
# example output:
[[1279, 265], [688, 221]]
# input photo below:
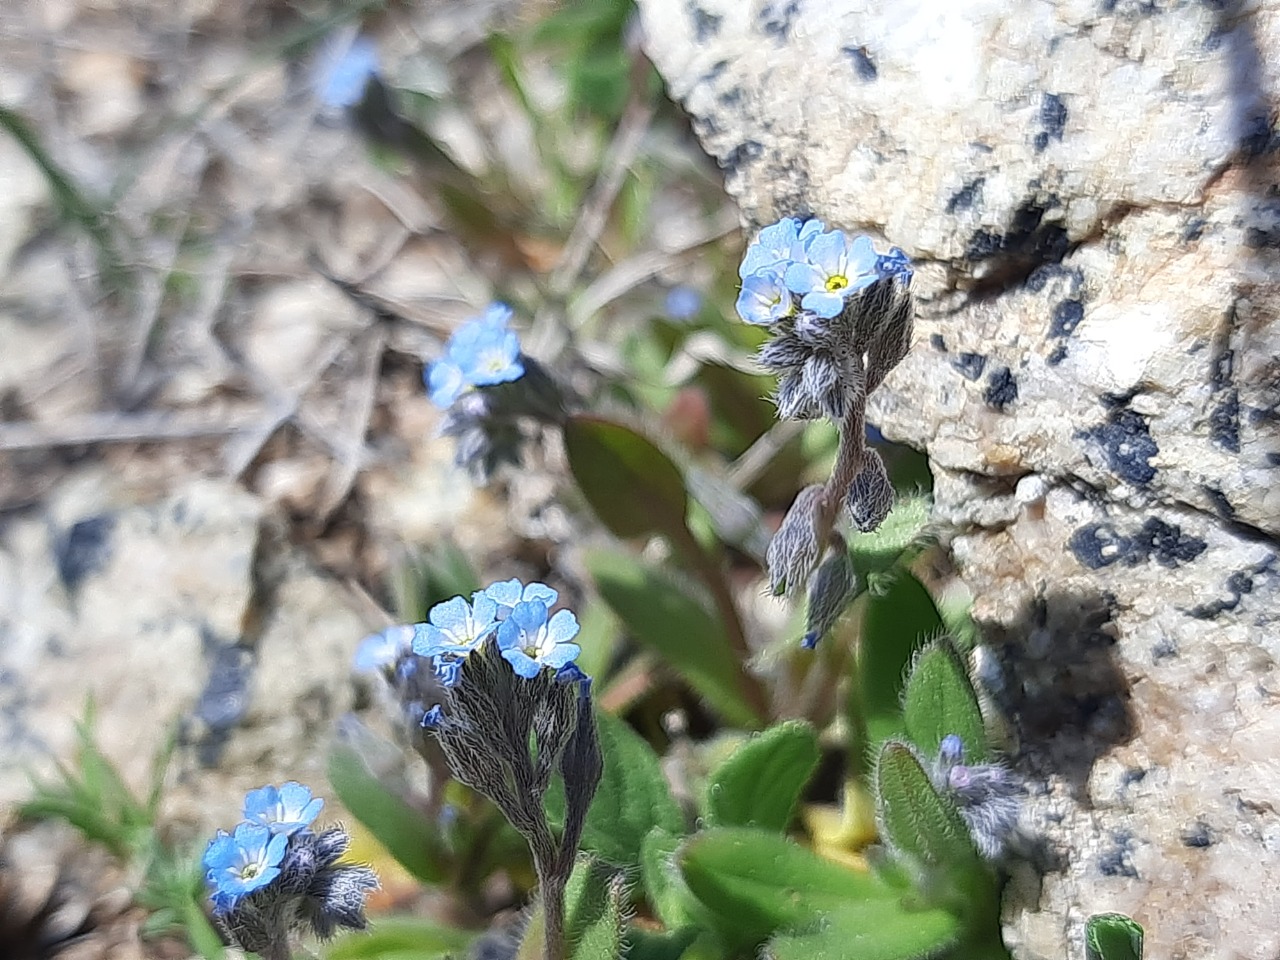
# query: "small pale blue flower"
[[507, 593], [530, 641], [773, 248], [834, 268], [344, 70], [285, 810], [445, 382], [456, 627], [683, 303], [380, 650], [765, 299], [240, 863], [486, 350], [951, 749]]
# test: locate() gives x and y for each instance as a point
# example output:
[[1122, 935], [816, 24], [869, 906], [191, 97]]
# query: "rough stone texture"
[[1089, 191]]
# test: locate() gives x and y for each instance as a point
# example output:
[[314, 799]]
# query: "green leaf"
[[1112, 936], [761, 782], [940, 700], [600, 936], [642, 944], [397, 824], [662, 881], [632, 486], [871, 930], [914, 818], [897, 623], [390, 937], [753, 883], [658, 612], [631, 800], [902, 533]]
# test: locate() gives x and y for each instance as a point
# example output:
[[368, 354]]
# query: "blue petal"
[[562, 627], [862, 256], [484, 609], [539, 591], [509, 634], [382, 649], [506, 594], [524, 665], [827, 252], [451, 615], [253, 838], [261, 803], [445, 382], [343, 74], [570, 673], [429, 640], [432, 717], [804, 277], [276, 849], [529, 615], [561, 654], [497, 313], [220, 853], [825, 305]]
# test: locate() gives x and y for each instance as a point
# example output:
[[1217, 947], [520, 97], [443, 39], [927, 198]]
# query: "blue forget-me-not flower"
[[482, 352], [530, 639], [286, 809], [507, 593], [384, 649], [834, 268], [238, 863], [344, 69], [456, 627], [765, 299]]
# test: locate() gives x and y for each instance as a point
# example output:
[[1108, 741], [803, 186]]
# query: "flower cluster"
[[488, 386], [840, 315], [273, 874], [801, 266]]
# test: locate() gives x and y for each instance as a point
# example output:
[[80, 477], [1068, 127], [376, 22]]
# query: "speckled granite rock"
[[1089, 191]]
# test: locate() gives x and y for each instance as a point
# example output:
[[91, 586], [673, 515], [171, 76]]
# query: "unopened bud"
[[794, 548], [833, 586], [870, 496]]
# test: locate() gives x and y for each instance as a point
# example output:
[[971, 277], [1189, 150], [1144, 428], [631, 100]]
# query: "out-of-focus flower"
[[530, 640], [683, 303], [456, 627], [834, 268], [895, 263], [482, 352], [286, 809], [236, 864], [343, 71], [380, 650]]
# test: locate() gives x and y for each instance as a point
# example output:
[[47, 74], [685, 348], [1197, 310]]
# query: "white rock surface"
[[1089, 192]]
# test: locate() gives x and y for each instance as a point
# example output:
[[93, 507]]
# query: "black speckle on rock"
[[1029, 243], [1117, 861], [85, 549], [1258, 137], [1002, 388], [1098, 545], [1066, 317], [1043, 275], [745, 152], [1165, 543], [970, 365], [776, 18], [225, 696], [936, 341], [1053, 120], [1224, 422], [1196, 835], [1221, 505], [983, 245], [1163, 649], [1273, 459], [1126, 441], [1194, 230], [1256, 238], [863, 65], [1238, 585], [966, 196], [1057, 356], [705, 25]]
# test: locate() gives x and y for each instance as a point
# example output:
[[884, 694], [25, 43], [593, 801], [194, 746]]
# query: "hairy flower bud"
[[870, 496], [794, 548], [988, 796], [833, 586]]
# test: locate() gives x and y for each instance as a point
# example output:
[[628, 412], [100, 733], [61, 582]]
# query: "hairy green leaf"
[[940, 700], [761, 782], [1112, 936], [914, 818], [394, 937], [870, 930], [662, 881]]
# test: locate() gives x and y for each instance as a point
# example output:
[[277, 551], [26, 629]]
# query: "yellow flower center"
[[836, 282], [249, 872]]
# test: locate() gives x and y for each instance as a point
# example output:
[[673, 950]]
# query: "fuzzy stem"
[[551, 883], [849, 463]]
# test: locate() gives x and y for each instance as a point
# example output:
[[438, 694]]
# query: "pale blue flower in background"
[[383, 649], [683, 303], [344, 69], [482, 352], [529, 640], [764, 299]]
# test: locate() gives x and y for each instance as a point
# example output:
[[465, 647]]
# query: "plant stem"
[[552, 883], [849, 462]]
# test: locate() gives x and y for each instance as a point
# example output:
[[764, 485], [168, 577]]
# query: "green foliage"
[[391, 818], [587, 37], [761, 782], [662, 881], [877, 555], [915, 819], [1112, 936], [756, 885], [401, 938], [632, 486], [660, 615], [93, 798], [897, 623], [940, 700]]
